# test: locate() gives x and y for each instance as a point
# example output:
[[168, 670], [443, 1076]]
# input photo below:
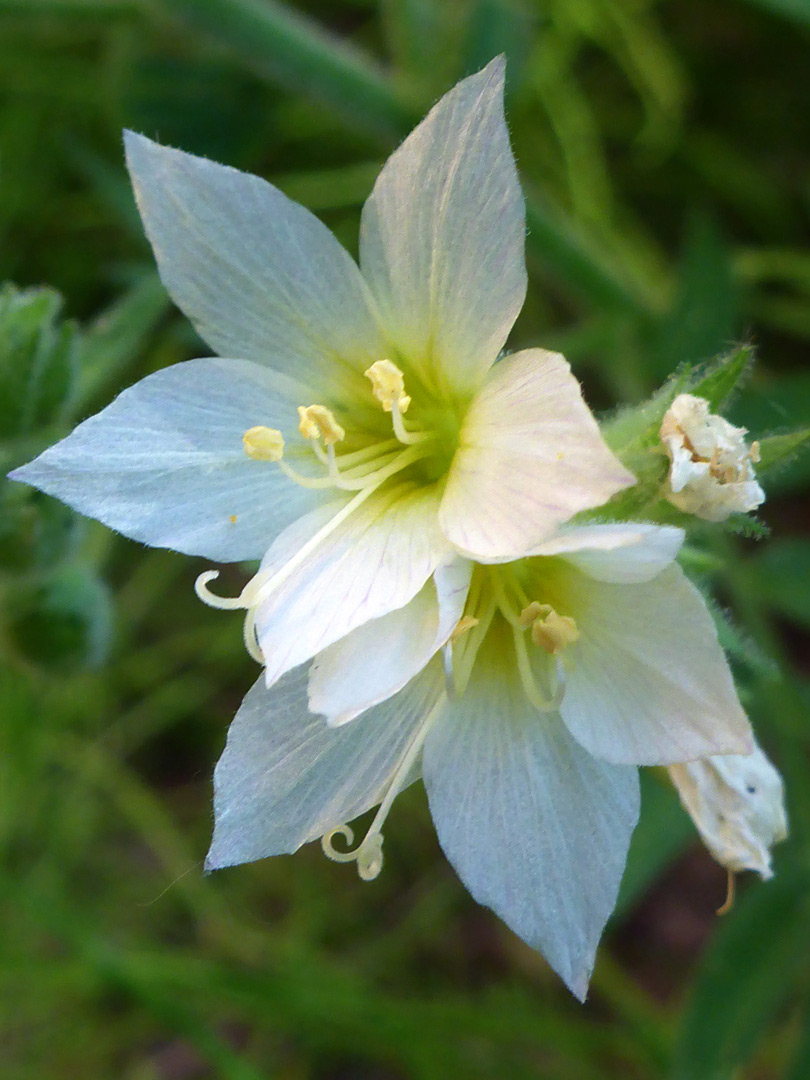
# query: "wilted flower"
[[358, 418], [737, 802], [569, 667], [712, 471]]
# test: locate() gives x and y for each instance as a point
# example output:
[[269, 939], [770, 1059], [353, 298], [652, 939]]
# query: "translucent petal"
[[375, 562], [259, 276], [536, 828], [442, 237], [647, 682], [380, 657], [530, 456], [164, 463], [286, 778], [627, 553]]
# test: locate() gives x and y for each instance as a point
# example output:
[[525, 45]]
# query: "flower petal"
[[259, 276], [379, 658], [442, 237], [536, 828], [286, 778], [530, 456], [164, 463], [373, 563], [647, 682], [623, 553], [737, 803]]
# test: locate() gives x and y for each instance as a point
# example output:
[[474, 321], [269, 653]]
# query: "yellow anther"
[[532, 612], [263, 443], [465, 623], [550, 630], [388, 385], [318, 422]]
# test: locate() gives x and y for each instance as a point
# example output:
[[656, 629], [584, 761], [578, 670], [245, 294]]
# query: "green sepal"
[[775, 450], [723, 376]]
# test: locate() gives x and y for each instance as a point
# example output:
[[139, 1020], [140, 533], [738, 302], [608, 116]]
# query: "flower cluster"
[[429, 601]]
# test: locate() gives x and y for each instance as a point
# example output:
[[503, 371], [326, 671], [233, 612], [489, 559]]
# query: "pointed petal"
[[379, 658], [373, 563], [442, 237], [530, 456], [286, 778], [536, 828], [623, 553], [165, 464], [647, 681], [259, 276]]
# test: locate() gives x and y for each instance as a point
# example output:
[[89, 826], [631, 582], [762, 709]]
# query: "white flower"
[[568, 668], [737, 803], [358, 433], [712, 473]]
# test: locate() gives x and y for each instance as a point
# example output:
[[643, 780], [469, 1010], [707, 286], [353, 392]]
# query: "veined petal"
[[624, 553], [373, 563], [442, 237], [379, 658], [165, 464], [647, 681], [536, 828], [286, 778], [530, 456], [259, 276]]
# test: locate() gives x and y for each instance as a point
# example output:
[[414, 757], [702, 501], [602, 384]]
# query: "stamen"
[[530, 687], [401, 432], [314, 482], [318, 422], [225, 603], [251, 638], [388, 387], [550, 630], [728, 903], [263, 443], [464, 624], [369, 852]]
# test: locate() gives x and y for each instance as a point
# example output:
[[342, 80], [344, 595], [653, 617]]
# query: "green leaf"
[[280, 44], [780, 449], [64, 623], [36, 532], [796, 11], [703, 317], [782, 574], [37, 359], [749, 971], [800, 1064], [663, 832]]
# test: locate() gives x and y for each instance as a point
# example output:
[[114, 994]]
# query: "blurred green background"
[[665, 152]]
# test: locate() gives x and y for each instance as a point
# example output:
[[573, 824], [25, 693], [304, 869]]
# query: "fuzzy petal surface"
[[164, 462], [530, 456], [442, 237], [260, 277], [379, 658], [373, 563], [647, 682], [286, 778], [536, 828]]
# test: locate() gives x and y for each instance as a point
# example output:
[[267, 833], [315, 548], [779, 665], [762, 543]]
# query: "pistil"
[[369, 852]]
